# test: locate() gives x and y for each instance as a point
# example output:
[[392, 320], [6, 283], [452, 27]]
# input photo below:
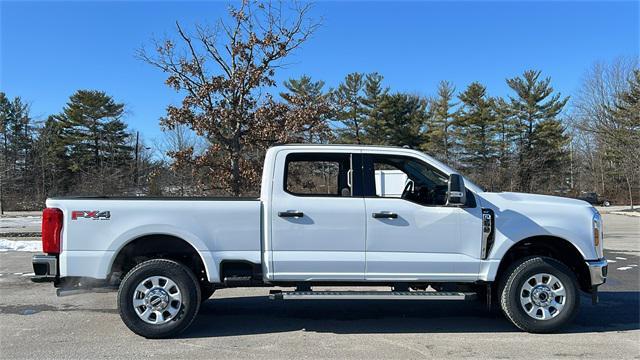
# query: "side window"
[[389, 180], [392, 176], [318, 174]]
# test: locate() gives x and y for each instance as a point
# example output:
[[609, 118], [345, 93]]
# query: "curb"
[[625, 213]]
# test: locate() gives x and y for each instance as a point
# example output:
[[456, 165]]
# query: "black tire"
[[206, 291], [511, 287], [183, 278]]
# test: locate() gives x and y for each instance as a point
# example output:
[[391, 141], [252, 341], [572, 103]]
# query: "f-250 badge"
[[93, 215]]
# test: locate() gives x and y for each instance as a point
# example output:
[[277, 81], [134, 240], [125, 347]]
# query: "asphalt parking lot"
[[243, 323]]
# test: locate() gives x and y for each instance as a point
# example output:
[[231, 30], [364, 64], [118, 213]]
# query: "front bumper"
[[598, 271], [45, 268]]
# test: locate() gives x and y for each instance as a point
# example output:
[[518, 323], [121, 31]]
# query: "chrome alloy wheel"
[[543, 296], [157, 300]]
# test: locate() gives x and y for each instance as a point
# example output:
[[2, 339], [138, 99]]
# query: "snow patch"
[[20, 245]]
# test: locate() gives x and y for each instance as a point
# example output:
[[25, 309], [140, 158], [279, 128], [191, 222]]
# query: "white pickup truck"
[[324, 219]]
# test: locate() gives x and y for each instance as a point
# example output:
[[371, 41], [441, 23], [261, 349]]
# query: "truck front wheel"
[[206, 291], [159, 298], [539, 294]]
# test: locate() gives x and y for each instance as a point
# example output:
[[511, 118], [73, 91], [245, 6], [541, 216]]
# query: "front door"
[[411, 234], [317, 217]]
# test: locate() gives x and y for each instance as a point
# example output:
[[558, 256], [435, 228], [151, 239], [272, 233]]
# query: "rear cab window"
[[319, 174]]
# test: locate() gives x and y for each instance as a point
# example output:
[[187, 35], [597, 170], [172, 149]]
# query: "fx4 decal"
[[94, 215]]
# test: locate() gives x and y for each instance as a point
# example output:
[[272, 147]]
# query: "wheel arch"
[[158, 245], [551, 246]]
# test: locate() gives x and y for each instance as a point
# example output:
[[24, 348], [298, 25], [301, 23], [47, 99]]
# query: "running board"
[[78, 291], [370, 295]]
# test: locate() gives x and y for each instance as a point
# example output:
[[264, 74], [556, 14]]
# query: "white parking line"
[[611, 261], [625, 268], [620, 258]]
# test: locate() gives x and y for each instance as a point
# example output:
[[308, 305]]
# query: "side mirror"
[[456, 192]]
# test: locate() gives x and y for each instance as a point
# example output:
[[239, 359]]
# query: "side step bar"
[[369, 295], [78, 291]]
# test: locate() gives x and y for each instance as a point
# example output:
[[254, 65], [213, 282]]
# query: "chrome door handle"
[[291, 213], [385, 215]]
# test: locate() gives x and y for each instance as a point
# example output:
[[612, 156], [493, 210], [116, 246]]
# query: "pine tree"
[[306, 99], [374, 93], [95, 137], [477, 126], [16, 173], [627, 115], [305, 88], [93, 130], [623, 137], [56, 177], [16, 131], [442, 116], [403, 119], [551, 159], [5, 116], [533, 103], [506, 133], [350, 110]]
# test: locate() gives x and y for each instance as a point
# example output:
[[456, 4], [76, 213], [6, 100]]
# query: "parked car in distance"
[[324, 217], [594, 198]]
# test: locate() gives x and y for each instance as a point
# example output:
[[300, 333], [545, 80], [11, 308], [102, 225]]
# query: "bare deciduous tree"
[[607, 140], [222, 73], [175, 141]]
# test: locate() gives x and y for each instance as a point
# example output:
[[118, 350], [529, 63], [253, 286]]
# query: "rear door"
[[318, 219]]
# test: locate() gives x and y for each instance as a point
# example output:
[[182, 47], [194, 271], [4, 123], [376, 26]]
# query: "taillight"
[[51, 229]]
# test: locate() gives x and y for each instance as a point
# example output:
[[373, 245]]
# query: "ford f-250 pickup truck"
[[326, 217]]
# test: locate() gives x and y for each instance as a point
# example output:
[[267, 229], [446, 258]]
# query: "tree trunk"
[[446, 141], [602, 176], [96, 144], [235, 165], [630, 190], [357, 128], [235, 173]]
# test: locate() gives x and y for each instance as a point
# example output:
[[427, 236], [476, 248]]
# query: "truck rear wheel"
[[159, 298], [539, 294]]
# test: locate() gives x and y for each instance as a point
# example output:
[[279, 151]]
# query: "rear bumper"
[[598, 271], [45, 268]]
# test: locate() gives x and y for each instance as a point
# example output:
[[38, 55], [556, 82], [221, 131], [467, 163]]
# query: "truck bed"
[[159, 198], [218, 228]]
